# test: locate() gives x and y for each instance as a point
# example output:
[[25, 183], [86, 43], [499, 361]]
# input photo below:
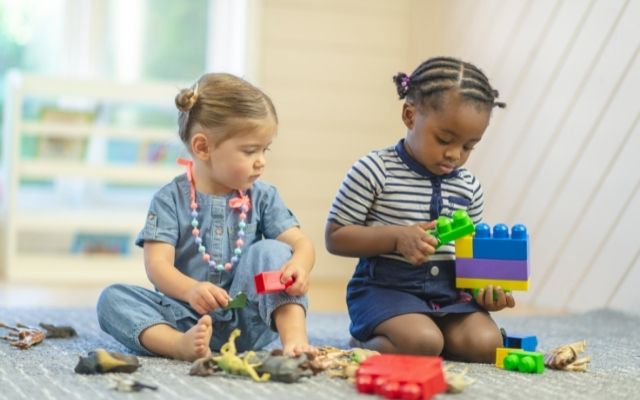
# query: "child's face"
[[442, 140], [239, 161]]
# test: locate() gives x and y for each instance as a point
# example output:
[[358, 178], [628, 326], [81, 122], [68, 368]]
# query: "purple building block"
[[515, 270]]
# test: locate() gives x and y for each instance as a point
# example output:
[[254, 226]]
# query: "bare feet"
[[194, 343]]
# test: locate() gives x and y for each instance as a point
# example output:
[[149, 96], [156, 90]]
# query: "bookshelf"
[[73, 200]]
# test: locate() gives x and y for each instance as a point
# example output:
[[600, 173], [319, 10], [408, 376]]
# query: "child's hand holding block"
[[269, 282]]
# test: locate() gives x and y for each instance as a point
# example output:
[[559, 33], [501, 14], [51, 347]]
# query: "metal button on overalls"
[[435, 270]]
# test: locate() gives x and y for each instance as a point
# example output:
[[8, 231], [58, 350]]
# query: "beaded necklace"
[[242, 203]]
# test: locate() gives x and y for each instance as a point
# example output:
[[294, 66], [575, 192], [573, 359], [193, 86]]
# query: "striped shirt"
[[388, 187]]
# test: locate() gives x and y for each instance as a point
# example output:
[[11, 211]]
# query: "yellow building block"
[[464, 247], [501, 353], [472, 283]]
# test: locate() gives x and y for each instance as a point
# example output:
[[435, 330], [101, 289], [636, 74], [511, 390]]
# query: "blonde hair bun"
[[186, 99]]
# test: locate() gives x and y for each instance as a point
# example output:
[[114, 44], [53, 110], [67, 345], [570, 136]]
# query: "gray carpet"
[[46, 371]]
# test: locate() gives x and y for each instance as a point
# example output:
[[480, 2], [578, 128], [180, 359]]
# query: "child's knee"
[[267, 254], [428, 342]]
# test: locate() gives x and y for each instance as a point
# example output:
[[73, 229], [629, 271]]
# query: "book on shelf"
[[101, 243]]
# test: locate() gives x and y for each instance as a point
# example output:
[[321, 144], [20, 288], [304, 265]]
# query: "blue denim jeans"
[[124, 311]]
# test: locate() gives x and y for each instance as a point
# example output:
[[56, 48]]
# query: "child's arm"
[[301, 263], [413, 242], [159, 260]]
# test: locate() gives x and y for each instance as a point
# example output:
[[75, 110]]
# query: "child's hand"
[[415, 244], [485, 298], [300, 277], [205, 297]]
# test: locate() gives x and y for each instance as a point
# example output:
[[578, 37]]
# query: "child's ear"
[[200, 146], [408, 115]]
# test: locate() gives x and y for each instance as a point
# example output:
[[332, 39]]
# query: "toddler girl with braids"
[[209, 231], [402, 296]]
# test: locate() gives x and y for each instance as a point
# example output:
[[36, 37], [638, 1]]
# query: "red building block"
[[269, 282], [401, 377]]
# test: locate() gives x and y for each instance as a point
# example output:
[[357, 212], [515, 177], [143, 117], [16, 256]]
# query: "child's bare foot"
[[194, 343]]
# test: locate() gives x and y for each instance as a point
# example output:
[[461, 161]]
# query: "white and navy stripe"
[[388, 187]]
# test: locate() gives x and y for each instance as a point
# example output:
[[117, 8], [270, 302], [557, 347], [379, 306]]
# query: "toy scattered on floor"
[[457, 382], [566, 357], [22, 336], [519, 341], [340, 363], [130, 385], [239, 301], [520, 360], [497, 258], [283, 368], [101, 361], [58, 332], [229, 362], [449, 229], [401, 377], [269, 282]]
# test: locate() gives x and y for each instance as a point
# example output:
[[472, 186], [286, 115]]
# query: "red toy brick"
[[269, 282], [401, 377]]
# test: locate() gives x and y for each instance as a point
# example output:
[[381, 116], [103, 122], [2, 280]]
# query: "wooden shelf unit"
[[59, 217]]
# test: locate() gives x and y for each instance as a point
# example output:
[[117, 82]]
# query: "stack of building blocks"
[[498, 258], [449, 229], [269, 282], [401, 377], [520, 360]]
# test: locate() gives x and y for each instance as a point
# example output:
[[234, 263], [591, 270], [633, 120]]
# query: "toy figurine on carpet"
[[566, 357], [22, 336], [101, 361]]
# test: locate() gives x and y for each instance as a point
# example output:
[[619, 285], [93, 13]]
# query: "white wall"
[[559, 159], [562, 158]]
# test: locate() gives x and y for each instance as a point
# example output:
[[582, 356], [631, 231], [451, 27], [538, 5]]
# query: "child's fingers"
[[208, 300], [221, 298], [511, 302]]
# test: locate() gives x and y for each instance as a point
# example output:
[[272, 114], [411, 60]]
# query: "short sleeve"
[[476, 208], [161, 223], [275, 217], [359, 189]]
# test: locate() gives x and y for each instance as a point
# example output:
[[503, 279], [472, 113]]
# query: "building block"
[[240, 301], [449, 229], [269, 282], [464, 247], [524, 361], [499, 244], [517, 270], [521, 341], [501, 354], [479, 283], [401, 377]]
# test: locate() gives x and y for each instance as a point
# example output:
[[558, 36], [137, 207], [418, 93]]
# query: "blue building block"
[[521, 341], [501, 245]]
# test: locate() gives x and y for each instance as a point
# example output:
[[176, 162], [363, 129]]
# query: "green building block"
[[240, 301], [524, 361], [449, 229]]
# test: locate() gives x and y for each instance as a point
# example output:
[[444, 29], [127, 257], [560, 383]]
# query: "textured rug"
[[47, 370]]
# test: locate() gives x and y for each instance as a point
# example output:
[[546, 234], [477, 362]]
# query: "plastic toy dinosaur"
[[231, 363]]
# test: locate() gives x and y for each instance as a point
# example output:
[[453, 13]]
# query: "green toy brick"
[[240, 301], [449, 229], [524, 361]]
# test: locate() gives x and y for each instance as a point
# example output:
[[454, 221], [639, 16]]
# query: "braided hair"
[[427, 84]]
